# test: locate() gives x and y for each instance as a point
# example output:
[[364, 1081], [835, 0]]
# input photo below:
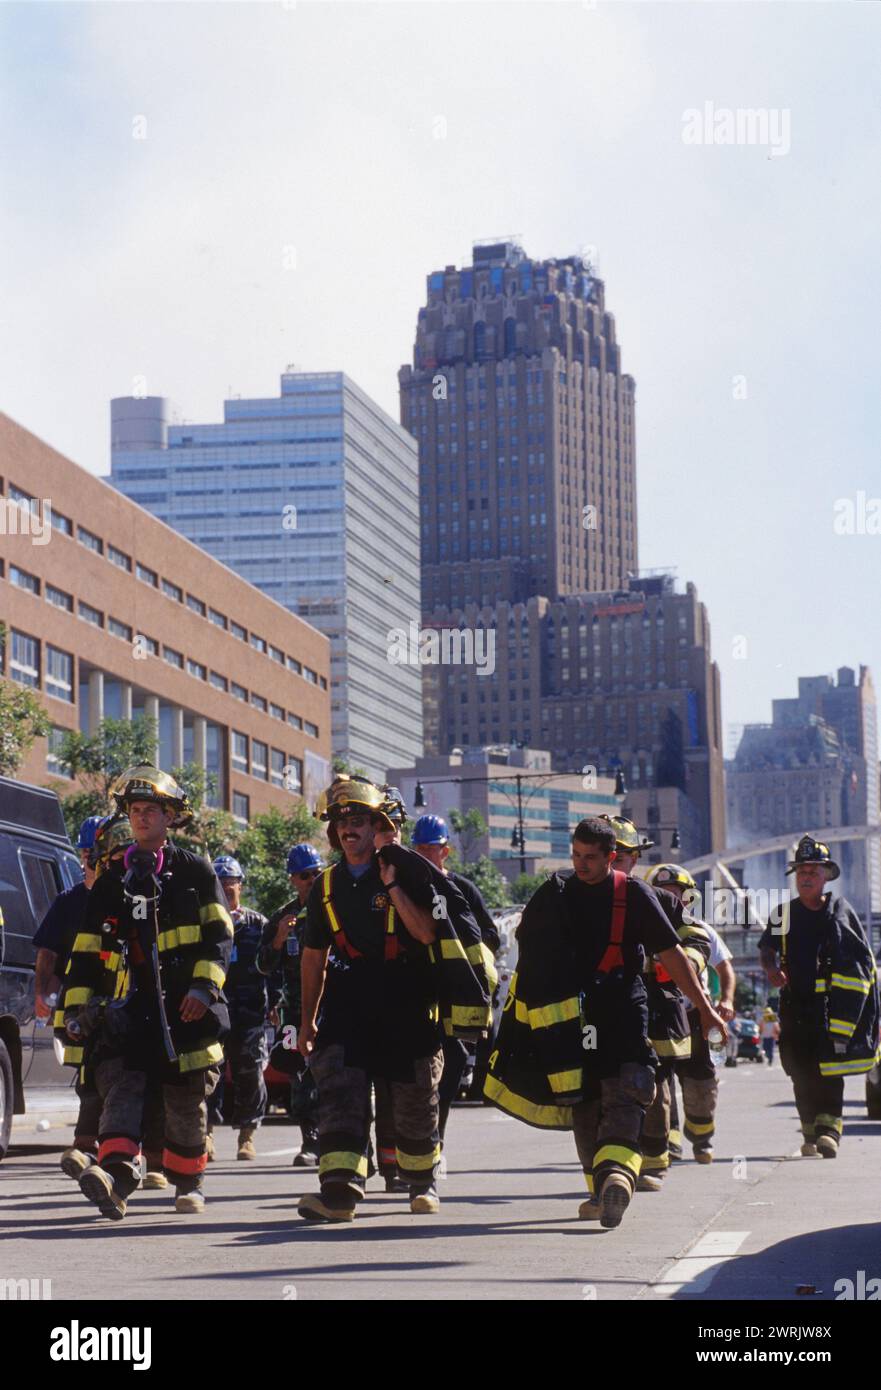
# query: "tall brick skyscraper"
[[524, 420]]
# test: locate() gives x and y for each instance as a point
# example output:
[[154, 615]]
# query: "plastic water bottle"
[[716, 1040], [51, 1000]]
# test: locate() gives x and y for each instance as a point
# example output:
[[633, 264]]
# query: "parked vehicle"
[[37, 862], [749, 1036]]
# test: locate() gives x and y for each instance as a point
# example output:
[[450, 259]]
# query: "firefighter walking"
[[817, 954], [162, 910]]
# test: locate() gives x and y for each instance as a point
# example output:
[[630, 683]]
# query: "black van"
[[37, 862]]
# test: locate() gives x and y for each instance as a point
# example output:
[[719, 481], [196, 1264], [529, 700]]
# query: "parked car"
[[749, 1036], [37, 862]]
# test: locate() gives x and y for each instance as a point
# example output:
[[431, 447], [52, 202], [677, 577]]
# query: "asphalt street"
[[758, 1224]]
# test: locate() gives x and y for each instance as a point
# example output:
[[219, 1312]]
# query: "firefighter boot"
[[189, 1203], [649, 1182], [589, 1210], [154, 1179], [809, 1149], [327, 1205], [614, 1200], [209, 1146], [827, 1145], [424, 1201], [307, 1156], [246, 1142], [98, 1186], [704, 1154], [74, 1162]]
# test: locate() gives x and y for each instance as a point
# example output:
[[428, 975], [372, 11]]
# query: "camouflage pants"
[[411, 1115], [124, 1094], [608, 1127]]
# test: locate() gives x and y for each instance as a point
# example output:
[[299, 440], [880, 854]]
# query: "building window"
[[90, 541], [294, 665], [310, 675], [63, 524], [196, 669], [322, 681], [53, 748], [148, 576], [119, 558], [196, 605], [277, 655], [58, 598], [239, 751], [258, 643], [23, 580], [172, 591], [258, 702], [218, 681], [238, 691], [147, 644], [238, 631], [173, 657], [277, 767], [276, 711], [295, 721], [59, 674], [24, 664], [241, 807], [217, 619], [259, 759], [90, 614], [311, 729], [119, 629]]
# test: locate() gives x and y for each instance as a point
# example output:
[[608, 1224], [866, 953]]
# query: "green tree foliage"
[[262, 851], [211, 831], [22, 720], [524, 885], [97, 760]]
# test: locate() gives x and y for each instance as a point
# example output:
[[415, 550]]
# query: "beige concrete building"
[[109, 612]]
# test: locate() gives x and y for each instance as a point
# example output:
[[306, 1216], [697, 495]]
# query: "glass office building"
[[313, 497]]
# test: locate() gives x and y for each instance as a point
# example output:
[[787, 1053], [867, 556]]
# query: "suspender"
[[613, 958], [391, 945]]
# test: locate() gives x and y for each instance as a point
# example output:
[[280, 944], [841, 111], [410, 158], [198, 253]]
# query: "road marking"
[[696, 1270], [277, 1153]]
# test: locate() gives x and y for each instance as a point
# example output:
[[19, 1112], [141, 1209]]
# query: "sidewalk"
[[57, 1105]]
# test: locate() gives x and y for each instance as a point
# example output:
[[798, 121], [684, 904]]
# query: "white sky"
[[314, 126]]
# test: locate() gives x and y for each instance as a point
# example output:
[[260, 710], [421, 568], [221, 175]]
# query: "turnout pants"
[[123, 1093], [608, 1125], [819, 1100], [700, 1090], [456, 1054], [656, 1127], [344, 1121]]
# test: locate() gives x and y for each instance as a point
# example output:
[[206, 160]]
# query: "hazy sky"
[[306, 165]]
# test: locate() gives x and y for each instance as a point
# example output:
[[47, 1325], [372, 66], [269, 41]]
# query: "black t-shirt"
[[361, 905], [807, 929], [474, 898], [65, 918], [647, 930]]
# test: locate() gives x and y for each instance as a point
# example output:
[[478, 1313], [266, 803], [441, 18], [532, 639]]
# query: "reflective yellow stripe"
[[210, 970], [186, 935], [841, 1025], [329, 907], [550, 1014], [73, 1055], [617, 1153], [123, 980], [452, 948], [672, 1047], [699, 1129], [390, 920], [471, 1015], [58, 1018], [86, 941], [658, 1163], [846, 1067], [545, 1116], [820, 987], [417, 1163], [112, 962], [850, 982], [697, 958], [521, 1013], [72, 997], [588, 1178], [565, 1080], [348, 1161], [213, 912], [480, 954], [830, 1122], [675, 1137], [198, 1061]]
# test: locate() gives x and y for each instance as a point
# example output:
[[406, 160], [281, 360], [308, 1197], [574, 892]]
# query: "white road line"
[[276, 1153], [696, 1270]]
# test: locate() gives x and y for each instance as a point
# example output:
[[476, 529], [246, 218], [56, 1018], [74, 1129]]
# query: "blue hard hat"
[[430, 830], [303, 857], [88, 831], [227, 867]]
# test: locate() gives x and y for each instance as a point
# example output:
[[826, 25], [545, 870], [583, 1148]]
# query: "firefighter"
[[573, 1048], [817, 954], [53, 940], [669, 1030], [381, 912], [250, 996], [280, 950], [162, 909], [431, 839]]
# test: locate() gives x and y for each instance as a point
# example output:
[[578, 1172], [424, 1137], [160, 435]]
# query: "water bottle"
[[716, 1040], [51, 1000]]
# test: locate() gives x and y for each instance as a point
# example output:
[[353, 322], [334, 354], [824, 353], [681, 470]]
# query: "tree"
[[484, 874], [524, 885], [671, 756], [97, 760], [469, 827], [341, 765], [263, 850], [211, 831]]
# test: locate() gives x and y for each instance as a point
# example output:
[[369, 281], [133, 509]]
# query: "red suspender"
[[612, 957]]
